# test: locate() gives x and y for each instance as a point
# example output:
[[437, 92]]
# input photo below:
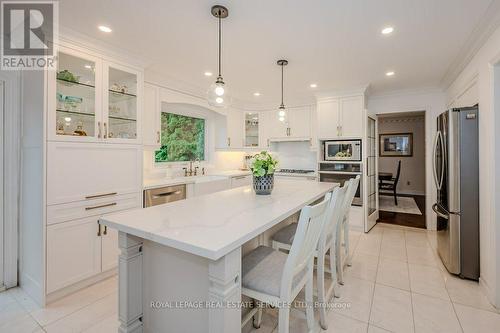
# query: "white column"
[[130, 310], [225, 290]]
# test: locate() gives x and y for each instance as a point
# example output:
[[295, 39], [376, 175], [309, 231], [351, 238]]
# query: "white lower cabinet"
[[73, 252], [109, 248], [79, 248]]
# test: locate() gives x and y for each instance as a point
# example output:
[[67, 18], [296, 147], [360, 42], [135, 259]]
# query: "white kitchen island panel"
[[180, 263]]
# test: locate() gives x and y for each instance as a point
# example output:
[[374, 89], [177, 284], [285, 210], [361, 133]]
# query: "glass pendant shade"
[[218, 95]]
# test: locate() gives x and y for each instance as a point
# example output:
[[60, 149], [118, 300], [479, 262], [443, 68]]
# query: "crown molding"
[[479, 36], [406, 92], [78, 40], [353, 91]]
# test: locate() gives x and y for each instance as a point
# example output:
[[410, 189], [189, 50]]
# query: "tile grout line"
[[84, 307], [375, 283], [411, 294]]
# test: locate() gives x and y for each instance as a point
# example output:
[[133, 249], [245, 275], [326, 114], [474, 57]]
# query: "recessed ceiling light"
[[208, 73], [387, 30], [256, 94], [88, 66], [313, 85], [104, 28], [390, 73]]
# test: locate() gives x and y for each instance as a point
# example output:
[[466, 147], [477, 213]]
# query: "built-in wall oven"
[[340, 173], [342, 150]]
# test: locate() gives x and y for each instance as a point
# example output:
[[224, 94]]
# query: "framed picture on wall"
[[396, 144]]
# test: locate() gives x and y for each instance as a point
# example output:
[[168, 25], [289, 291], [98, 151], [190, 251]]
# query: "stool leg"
[[333, 270], [309, 301], [338, 257], [284, 320], [321, 289], [257, 319], [347, 244]]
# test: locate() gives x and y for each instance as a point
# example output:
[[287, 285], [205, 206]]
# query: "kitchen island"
[[180, 263]]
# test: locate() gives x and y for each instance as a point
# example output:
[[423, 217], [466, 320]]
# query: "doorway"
[[401, 169]]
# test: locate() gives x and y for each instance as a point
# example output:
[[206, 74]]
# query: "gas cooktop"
[[301, 171]]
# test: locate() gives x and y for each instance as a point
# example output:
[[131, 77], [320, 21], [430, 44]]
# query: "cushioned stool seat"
[[285, 235], [262, 270]]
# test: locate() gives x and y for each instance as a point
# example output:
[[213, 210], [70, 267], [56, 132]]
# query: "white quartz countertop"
[[160, 182], [213, 225]]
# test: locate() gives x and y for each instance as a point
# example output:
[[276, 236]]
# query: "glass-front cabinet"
[[93, 100], [121, 102], [75, 109], [251, 129]]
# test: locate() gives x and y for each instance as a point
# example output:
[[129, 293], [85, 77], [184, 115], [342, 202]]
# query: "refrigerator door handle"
[[438, 213], [439, 182]]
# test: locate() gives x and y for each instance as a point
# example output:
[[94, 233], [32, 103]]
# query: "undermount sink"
[[210, 184], [204, 179]]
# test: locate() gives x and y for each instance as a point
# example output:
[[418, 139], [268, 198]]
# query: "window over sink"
[[182, 138]]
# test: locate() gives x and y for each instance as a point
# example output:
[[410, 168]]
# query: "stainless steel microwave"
[[343, 150]]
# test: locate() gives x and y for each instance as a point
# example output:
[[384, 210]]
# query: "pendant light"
[[282, 112], [218, 93]]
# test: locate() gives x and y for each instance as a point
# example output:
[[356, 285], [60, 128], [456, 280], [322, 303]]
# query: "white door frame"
[[370, 220], [11, 164]]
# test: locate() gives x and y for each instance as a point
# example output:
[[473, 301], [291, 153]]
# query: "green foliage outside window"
[[182, 138]]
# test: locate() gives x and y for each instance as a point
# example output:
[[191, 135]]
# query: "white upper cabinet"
[[299, 123], [92, 100], [75, 98], [151, 116], [340, 117], [351, 112], [122, 103], [235, 129]]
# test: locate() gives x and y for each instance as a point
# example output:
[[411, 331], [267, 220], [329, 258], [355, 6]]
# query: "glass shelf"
[[72, 83], [76, 113], [118, 96]]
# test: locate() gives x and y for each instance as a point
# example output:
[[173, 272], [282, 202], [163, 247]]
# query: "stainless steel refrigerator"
[[456, 174]]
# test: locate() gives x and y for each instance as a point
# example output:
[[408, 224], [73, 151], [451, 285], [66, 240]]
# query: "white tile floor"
[[396, 284]]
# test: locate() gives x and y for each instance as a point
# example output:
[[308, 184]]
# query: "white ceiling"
[[334, 43]]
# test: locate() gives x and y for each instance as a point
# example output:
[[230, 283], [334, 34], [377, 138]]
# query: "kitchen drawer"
[[241, 181], [82, 171], [95, 207]]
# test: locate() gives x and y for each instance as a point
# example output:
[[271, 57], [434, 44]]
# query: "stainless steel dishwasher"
[[163, 195]]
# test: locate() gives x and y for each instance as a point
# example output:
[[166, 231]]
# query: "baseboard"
[[54, 296], [403, 193], [490, 294], [32, 288]]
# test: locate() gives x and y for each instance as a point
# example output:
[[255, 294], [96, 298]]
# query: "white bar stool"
[[275, 278], [344, 227], [283, 239]]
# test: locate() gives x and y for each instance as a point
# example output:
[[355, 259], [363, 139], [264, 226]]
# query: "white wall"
[[412, 178], [433, 103], [476, 84]]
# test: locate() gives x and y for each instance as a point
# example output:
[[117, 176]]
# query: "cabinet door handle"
[[289, 131], [98, 230], [105, 130], [105, 230], [157, 136], [101, 206], [268, 142], [99, 130], [229, 142], [240, 177], [100, 195]]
